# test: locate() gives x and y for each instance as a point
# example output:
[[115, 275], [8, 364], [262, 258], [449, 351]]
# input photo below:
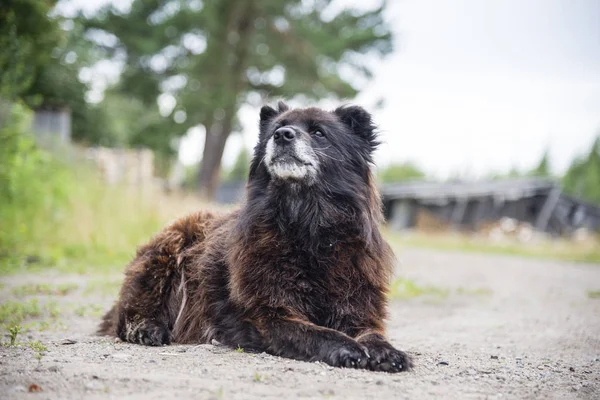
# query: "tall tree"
[[543, 168], [212, 55], [582, 179]]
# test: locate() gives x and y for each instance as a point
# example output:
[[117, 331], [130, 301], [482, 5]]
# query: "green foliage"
[[52, 212], [239, 171], [212, 56], [33, 188], [37, 346], [582, 179], [543, 168], [400, 173], [13, 332], [13, 313], [27, 37]]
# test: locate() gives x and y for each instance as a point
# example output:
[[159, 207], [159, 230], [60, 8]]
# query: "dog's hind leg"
[[150, 299]]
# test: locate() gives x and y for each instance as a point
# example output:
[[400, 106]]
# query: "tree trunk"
[[214, 144], [232, 77]]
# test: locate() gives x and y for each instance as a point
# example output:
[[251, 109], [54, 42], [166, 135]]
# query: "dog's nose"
[[284, 135]]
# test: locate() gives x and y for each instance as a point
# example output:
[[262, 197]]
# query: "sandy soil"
[[485, 327]]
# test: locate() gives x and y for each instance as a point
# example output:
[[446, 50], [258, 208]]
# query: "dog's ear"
[[267, 113], [282, 106], [360, 123]]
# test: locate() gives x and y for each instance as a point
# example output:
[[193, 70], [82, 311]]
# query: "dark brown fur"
[[300, 271]]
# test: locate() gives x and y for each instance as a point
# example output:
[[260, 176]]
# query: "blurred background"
[[118, 116]]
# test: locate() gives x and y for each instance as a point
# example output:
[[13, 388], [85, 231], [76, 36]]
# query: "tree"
[[582, 179], [543, 168], [27, 37], [239, 171], [400, 173], [214, 55]]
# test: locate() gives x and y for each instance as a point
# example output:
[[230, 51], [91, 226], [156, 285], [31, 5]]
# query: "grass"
[[13, 313], [561, 249], [57, 211], [404, 289], [44, 289], [239, 349], [260, 377], [593, 294], [37, 346]]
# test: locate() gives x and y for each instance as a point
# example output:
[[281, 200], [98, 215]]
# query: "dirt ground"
[[478, 326]]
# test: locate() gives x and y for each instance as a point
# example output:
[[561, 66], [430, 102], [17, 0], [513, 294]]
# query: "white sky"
[[476, 86]]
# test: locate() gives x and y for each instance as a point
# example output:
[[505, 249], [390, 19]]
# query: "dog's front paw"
[[146, 333], [384, 357], [351, 355]]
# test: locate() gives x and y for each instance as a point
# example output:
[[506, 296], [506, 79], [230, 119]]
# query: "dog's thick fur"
[[300, 271]]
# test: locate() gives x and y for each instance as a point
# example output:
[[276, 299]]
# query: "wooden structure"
[[465, 206], [53, 126]]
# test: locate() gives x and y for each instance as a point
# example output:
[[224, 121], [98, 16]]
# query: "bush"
[[33, 188], [57, 211]]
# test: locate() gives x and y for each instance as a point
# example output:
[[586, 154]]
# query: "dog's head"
[[311, 145]]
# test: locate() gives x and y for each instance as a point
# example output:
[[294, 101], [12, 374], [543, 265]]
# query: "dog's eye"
[[318, 133]]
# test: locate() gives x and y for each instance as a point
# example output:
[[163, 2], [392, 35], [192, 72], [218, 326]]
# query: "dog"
[[301, 270]]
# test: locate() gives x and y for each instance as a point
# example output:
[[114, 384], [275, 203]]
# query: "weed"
[[37, 346], [593, 294], [44, 289], [259, 377], [239, 349], [407, 289], [14, 331]]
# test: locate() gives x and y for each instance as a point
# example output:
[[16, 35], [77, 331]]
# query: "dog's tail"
[[108, 326]]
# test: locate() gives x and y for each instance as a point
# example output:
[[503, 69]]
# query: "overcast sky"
[[476, 86]]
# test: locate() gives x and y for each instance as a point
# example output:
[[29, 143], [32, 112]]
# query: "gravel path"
[[478, 326]]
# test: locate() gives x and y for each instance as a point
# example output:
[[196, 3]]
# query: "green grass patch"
[[404, 289], [37, 346], [44, 289], [588, 251], [593, 294], [15, 312]]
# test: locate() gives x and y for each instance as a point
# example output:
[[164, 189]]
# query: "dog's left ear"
[[360, 123]]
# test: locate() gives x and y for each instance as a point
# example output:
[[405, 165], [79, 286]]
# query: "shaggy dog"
[[300, 271]]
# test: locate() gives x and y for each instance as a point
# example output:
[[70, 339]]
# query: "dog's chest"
[[320, 287]]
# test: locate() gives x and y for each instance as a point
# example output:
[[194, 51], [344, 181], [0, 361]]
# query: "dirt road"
[[478, 326]]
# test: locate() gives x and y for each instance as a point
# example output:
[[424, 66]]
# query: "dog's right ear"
[[267, 113]]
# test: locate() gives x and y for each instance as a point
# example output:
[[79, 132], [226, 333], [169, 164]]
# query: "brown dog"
[[300, 271]]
